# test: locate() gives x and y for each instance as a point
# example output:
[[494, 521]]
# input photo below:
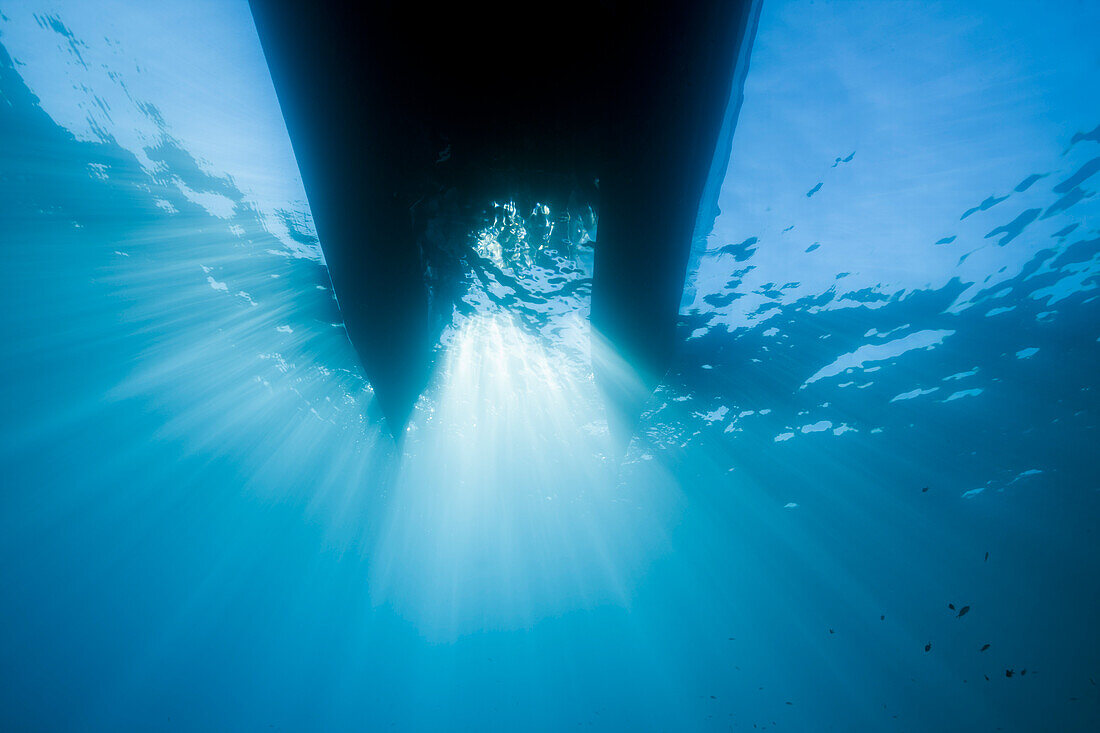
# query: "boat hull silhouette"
[[406, 122]]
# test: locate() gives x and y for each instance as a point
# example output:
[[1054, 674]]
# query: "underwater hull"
[[406, 124]]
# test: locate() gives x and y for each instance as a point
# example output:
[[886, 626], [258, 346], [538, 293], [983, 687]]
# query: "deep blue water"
[[884, 412]]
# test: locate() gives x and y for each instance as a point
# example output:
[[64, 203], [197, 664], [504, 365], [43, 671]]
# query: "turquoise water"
[[884, 411]]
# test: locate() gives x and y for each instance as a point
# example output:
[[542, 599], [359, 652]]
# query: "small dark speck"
[[987, 557], [951, 606], [844, 160], [1029, 181], [1073, 699], [1023, 672], [928, 647], [984, 647], [1065, 231], [831, 631], [790, 703], [963, 611], [924, 490], [983, 206], [1008, 673], [986, 677], [713, 697], [881, 618]]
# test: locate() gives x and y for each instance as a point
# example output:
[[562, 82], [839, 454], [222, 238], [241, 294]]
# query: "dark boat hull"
[[406, 122]]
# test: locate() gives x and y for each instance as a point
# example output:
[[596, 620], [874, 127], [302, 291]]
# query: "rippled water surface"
[[865, 498]]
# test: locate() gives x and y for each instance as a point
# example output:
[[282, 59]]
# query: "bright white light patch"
[[507, 508]]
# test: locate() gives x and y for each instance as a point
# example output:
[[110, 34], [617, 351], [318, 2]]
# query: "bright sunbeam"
[[506, 509]]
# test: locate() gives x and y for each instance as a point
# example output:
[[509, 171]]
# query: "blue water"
[[884, 413]]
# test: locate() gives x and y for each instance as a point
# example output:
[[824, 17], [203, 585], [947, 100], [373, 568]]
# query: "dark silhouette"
[[408, 121]]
